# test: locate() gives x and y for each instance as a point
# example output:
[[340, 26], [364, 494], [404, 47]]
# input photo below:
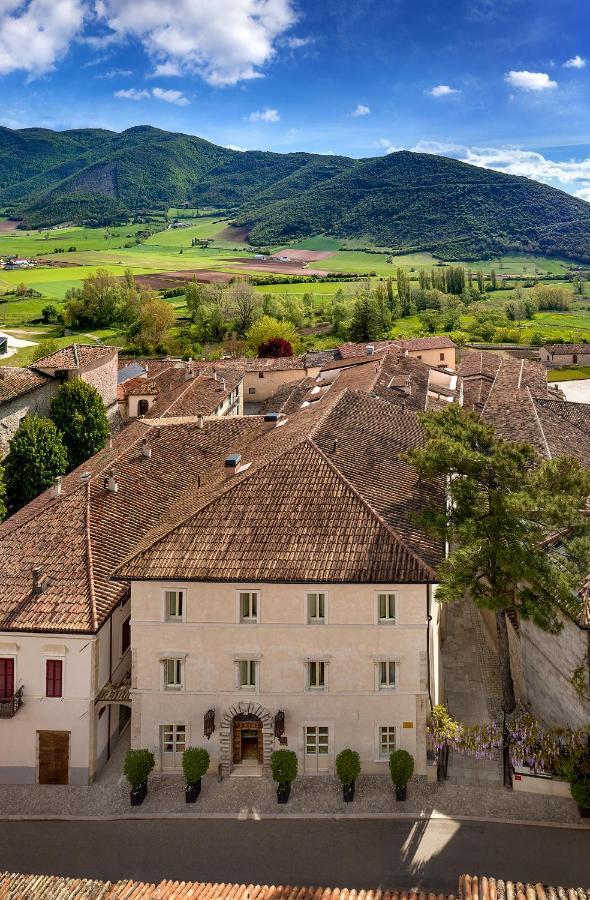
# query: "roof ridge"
[[536, 414], [187, 387], [491, 391], [90, 573], [393, 533], [76, 356]]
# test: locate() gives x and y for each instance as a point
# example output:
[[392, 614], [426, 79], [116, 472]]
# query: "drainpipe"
[[428, 621], [110, 678]]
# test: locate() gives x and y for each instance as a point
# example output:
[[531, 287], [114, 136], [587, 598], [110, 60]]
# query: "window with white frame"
[[316, 608], [247, 674], [249, 602], [386, 609], [316, 675], [174, 606], [386, 738], [173, 674], [387, 675]]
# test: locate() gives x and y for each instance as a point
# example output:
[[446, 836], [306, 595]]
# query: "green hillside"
[[407, 202]]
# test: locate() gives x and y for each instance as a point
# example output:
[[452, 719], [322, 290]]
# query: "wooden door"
[[6, 678], [54, 757], [237, 743]]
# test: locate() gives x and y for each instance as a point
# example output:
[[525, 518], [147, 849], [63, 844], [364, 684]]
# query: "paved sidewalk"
[[252, 797]]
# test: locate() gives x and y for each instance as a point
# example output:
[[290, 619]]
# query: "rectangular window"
[[261, 374], [387, 675], [6, 678], [53, 678], [442, 357], [172, 674], [174, 605], [251, 390], [386, 741], [247, 673], [125, 635], [316, 675], [316, 608], [248, 606], [386, 609]]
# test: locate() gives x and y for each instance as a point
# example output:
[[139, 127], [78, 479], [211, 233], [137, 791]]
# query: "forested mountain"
[[406, 201]]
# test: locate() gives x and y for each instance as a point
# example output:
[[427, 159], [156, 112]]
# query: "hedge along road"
[[426, 854]]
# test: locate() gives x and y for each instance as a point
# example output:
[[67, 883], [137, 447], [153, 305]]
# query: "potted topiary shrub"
[[580, 791], [348, 769], [284, 771], [195, 764], [138, 765], [401, 766]]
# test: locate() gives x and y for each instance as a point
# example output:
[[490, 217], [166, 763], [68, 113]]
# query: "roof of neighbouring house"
[[132, 370], [567, 348], [75, 356], [436, 342], [14, 382], [471, 887]]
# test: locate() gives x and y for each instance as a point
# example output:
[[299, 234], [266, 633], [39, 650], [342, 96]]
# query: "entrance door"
[[317, 748], [247, 739], [54, 757], [173, 744]]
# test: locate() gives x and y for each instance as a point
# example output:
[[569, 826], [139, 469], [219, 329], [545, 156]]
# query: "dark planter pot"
[[401, 792], [348, 792], [192, 791], [283, 791], [138, 795], [584, 811]]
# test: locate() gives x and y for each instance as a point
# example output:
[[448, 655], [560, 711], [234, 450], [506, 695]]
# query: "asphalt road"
[[355, 854]]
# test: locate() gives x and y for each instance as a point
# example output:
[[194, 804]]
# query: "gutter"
[[428, 621]]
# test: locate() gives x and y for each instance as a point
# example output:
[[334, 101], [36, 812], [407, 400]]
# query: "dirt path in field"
[[304, 256], [294, 267], [161, 281]]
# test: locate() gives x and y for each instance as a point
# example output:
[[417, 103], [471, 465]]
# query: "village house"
[[555, 355], [222, 536]]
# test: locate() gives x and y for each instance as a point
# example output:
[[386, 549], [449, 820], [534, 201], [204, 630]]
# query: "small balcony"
[[9, 706]]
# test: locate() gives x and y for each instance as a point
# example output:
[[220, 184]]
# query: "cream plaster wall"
[[433, 357], [269, 384], [351, 643]]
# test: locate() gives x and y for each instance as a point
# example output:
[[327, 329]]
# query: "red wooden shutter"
[[53, 681], [6, 678]]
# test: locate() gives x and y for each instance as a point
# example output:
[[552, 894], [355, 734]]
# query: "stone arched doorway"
[[246, 736], [143, 408]]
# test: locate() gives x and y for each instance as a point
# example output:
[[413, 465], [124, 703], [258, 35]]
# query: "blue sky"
[[502, 83]]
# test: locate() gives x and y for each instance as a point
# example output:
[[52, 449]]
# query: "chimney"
[[146, 449], [56, 487], [85, 476], [110, 482], [214, 375], [200, 422], [233, 464], [38, 580], [110, 442], [223, 384], [370, 349]]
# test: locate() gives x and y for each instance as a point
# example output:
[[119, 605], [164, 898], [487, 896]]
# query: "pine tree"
[[504, 504], [403, 291], [481, 283], [493, 280], [365, 325]]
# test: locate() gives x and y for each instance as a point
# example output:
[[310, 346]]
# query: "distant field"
[[575, 373], [24, 356], [34, 243]]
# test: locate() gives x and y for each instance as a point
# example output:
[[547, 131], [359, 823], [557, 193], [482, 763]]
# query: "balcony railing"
[[9, 706]]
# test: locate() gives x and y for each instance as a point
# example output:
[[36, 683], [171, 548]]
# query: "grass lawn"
[[575, 373], [24, 356], [35, 243]]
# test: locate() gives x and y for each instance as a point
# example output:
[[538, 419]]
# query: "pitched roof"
[[15, 382], [567, 348], [43, 887], [577, 414], [312, 512], [74, 356], [436, 342], [203, 394]]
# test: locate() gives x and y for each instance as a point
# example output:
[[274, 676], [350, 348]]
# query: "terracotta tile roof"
[[74, 356], [473, 887], [351, 350], [436, 342], [14, 382], [44, 887], [332, 504], [567, 348], [403, 381], [138, 386], [203, 394], [255, 364], [577, 414]]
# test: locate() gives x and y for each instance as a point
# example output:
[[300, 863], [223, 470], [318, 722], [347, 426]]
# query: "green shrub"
[[195, 763], [401, 766], [284, 765], [580, 791], [138, 765], [348, 766]]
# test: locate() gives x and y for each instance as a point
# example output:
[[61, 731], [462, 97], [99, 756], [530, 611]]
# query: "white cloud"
[[572, 175], [167, 69], [225, 42], [442, 90], [294, 43], [264, 115], [132, 94], [176, 97], [530, 81], [116, 73], [235, 147], [576, 62], [360, 110], [387, 146], [34, 35]]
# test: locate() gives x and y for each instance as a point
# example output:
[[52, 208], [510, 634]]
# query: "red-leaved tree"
[[275, 348]]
